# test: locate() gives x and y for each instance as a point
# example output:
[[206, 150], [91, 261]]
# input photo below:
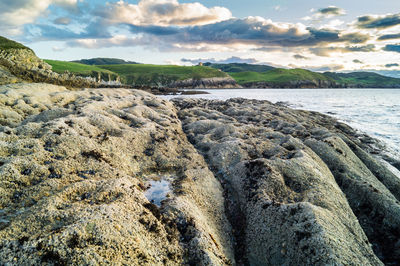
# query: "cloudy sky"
[[315, 34]]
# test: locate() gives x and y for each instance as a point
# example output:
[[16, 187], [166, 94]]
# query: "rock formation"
[[74, 170], [22, 64], [244, 182], [250, 183], [297, 84], [205, 83], [300, 188]]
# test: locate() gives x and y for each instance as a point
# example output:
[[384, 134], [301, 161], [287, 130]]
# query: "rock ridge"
[[250, 183], [305, 189], [206, 83], [17, 65]]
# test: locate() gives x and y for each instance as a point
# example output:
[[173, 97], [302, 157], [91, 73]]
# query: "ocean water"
[[375, 112]]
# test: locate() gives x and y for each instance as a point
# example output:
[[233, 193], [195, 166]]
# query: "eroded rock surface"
[[242, 182], [296, 193], [74, 169], [205, 83]]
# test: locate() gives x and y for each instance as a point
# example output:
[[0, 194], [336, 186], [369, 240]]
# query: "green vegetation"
[[82, 70], [141, 74], [6, 44], [104, 61], [279, 76], [138, 74], [240, 67], [363, 79], [161, 75], [76, 68], [283, 77]]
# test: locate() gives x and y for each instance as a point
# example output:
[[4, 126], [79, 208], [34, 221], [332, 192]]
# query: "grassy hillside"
[[240, 67], [161, 75], [365, 79], [76, 68], [142, 74], [278, 75], [6, 44], [104, 61]]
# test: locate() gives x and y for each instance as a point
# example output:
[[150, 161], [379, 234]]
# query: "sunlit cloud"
[[163, 13], [233, 59], [327, 51]]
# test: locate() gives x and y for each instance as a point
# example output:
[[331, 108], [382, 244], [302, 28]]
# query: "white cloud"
[[333, 24], [14, 14], [117, 40], [58, 49], [164, 13]]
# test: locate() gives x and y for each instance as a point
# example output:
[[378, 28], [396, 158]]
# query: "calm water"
[[373, 111], [158, 191]]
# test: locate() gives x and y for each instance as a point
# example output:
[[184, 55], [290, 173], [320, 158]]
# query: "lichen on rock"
[[73, 166], [295, 192], [249, 183]]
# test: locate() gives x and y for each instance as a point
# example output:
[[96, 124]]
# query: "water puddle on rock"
[[159, 190]]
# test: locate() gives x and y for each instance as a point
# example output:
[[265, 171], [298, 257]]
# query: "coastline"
[[118, 175], [249, 170]]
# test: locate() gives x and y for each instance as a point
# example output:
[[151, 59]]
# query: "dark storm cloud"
[[246, 31], [392, 65], [379, 22], [355, 38], [300, 57], [326, 51], [154, 30], [389, 37], [392, 48], [332, 11]]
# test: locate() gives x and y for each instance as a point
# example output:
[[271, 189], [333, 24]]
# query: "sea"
[[375, 112]]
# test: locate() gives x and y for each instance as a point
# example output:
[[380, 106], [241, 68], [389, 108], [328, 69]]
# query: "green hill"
[[141, 74], [81, 70], [6, 44], [246, 75], [240, 67], [104, 61], [279, 76], [363, 79]]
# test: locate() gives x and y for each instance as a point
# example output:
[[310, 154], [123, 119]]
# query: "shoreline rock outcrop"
[[205, 83], [249, 183], [74, 168], [295, 84], [20, 64], [299, 188]]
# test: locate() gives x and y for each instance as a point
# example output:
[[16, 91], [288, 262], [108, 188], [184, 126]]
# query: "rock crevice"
[[301, 194], [249, 183]]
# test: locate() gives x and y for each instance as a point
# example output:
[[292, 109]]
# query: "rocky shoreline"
[[250, 182], [205, 83], [119, 176]]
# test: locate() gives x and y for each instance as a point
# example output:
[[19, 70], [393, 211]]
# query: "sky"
[[318, 35]]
